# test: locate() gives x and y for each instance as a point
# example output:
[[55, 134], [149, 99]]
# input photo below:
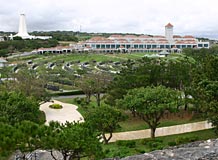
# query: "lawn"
[[136, 123]]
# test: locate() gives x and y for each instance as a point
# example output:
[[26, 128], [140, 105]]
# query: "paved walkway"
[[67, 113], [164, 131]]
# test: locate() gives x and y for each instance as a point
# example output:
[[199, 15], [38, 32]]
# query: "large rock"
[[201, 150]]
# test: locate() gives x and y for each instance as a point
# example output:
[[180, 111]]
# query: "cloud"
[[129, 16]]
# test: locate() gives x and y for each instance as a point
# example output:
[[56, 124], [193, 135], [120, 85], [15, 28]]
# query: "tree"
[[7, 140], [86, 84], [28, 138], [94, 84], [151, 103], [28, 83], [24, 137], [72, 140], [209, 101], [16, 107], [141, 73], [104, 119]]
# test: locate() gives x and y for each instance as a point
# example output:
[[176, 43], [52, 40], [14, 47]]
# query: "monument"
[[22, 31]]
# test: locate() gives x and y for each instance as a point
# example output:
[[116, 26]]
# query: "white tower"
[[22, 32], [169, 32]]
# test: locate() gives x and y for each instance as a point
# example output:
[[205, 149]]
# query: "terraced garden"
[[62, 69]]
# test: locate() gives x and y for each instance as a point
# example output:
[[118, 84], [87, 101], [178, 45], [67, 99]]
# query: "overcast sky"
[[195, 17]]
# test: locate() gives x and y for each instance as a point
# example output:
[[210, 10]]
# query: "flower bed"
[[55, 106]]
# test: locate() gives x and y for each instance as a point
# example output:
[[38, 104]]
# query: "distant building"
[[58, 49], [1, 38], [22, 32], [144, 43]]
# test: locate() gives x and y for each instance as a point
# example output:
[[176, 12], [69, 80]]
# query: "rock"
[[200, 150]]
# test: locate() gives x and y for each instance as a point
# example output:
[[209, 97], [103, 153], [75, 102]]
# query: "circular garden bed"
[[55, 106]]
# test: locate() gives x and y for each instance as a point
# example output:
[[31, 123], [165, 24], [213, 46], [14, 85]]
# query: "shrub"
[[122, 152], [185, 139], [129, 144], [171, 143], [77, 100], [149, 140], [80, 100], [55, 106], [140, 150]]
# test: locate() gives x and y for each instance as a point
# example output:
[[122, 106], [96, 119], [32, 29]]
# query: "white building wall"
[[169, 34]]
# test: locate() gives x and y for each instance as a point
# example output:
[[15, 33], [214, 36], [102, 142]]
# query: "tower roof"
[[169, 25]]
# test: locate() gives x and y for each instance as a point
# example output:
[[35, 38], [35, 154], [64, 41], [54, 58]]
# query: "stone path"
[[67, 113], [164, 131]]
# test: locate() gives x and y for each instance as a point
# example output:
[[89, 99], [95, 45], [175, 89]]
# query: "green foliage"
[[16, 107], [172, 143], [174, 73], [24, 45], [29, 84], [129, 144], [186, 139], [76, 139], [55, 106], [150, 103], [104, 119]]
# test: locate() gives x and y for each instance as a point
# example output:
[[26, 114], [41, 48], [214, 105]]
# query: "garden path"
[[164, 131], [67, 113]]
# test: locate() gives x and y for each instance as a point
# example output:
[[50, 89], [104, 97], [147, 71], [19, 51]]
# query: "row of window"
[[115, 46]]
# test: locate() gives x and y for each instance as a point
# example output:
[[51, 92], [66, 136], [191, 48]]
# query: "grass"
[[134, 147], [136, 123]]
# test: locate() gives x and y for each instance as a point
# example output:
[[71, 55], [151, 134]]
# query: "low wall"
[[164, 131]]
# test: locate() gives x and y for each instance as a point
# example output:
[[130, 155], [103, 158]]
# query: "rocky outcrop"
[[200, 150]]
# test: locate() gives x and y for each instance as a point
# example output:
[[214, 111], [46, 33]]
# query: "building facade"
[[1, 38], [144, 43]]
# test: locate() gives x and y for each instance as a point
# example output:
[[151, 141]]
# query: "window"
[[117, 46], [161, 46], [135, 46], [206, 45], [200, 45], [127, 46], [98, 46]]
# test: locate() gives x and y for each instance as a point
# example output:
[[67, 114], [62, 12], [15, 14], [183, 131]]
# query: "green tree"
[[209, 101], [94, 84], [151, 103], [104, 119], [72, 140], [7, 139], [29, 84], [28, 137], [16, 107]]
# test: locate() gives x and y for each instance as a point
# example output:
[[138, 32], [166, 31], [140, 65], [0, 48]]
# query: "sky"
[[189, 17]]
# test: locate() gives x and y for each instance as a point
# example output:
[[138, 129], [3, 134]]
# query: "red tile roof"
[[144, 36], [130, 36], [188, 36], [169, 25], [177, 36]]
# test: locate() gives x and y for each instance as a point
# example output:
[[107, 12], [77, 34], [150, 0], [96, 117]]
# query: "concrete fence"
[[164, 131]]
